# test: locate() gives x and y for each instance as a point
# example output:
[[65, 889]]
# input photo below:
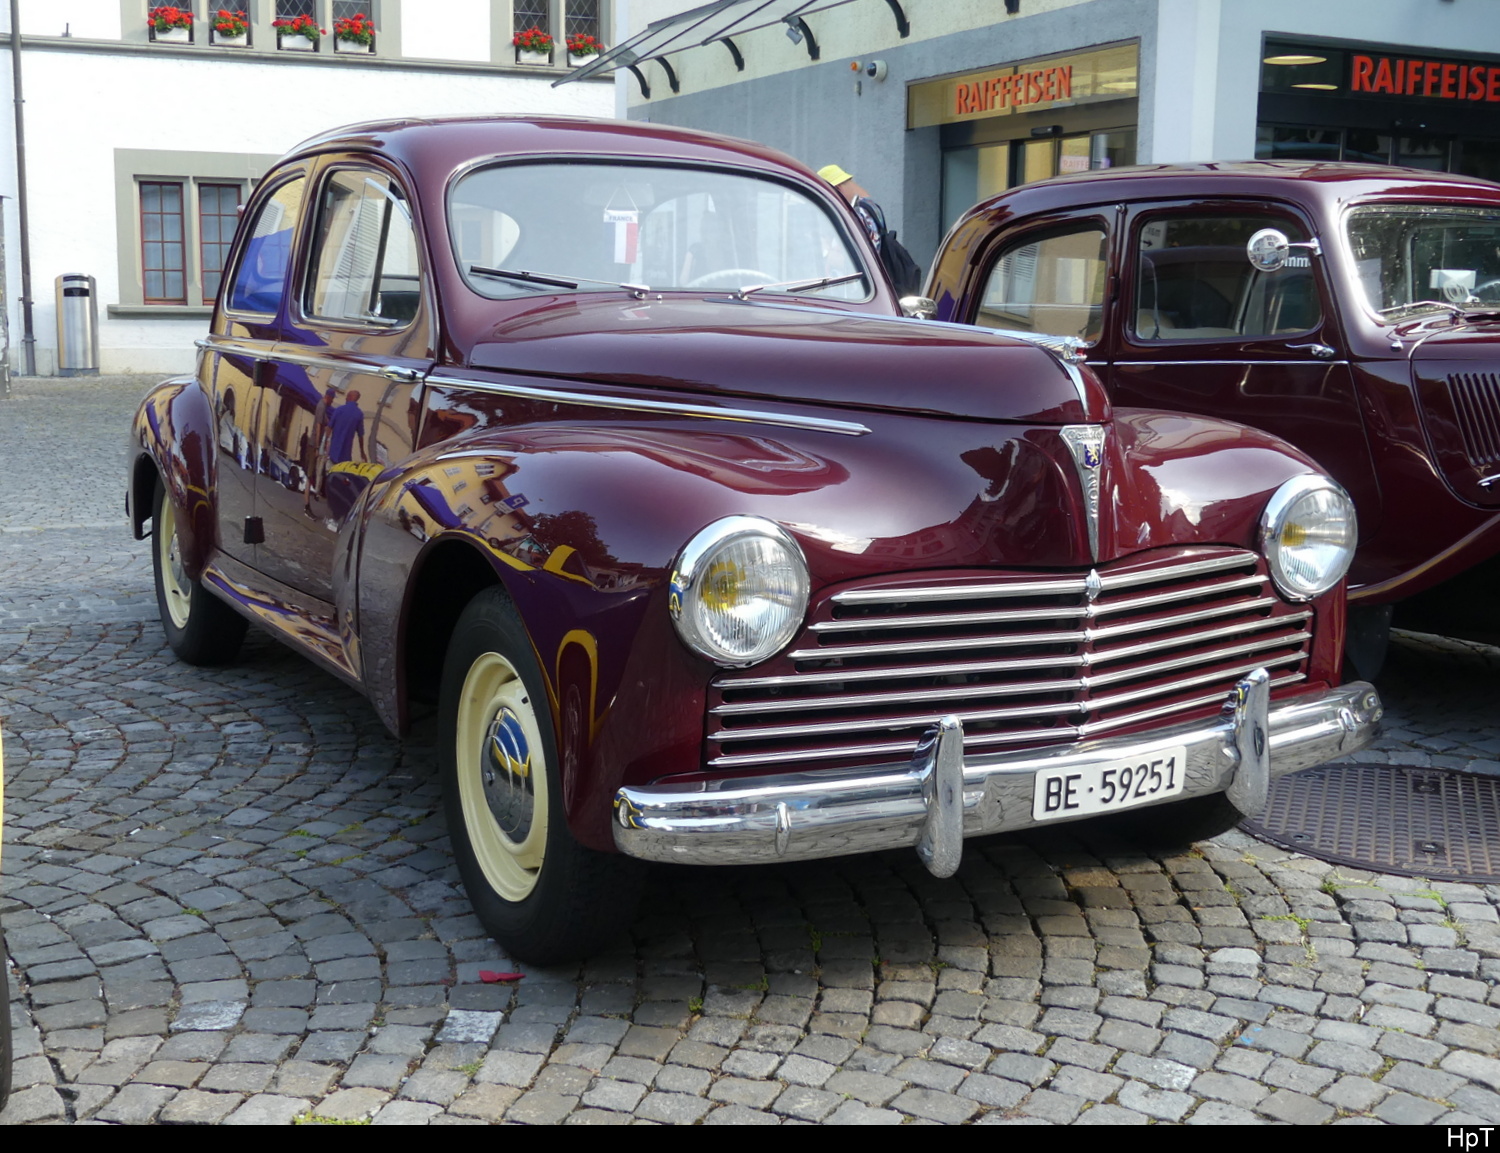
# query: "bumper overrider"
[[937, 799]]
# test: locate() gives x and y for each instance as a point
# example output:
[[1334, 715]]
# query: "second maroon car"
[[1366, 331]]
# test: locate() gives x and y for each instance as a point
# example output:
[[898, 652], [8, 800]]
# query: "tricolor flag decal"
[[627, 233]]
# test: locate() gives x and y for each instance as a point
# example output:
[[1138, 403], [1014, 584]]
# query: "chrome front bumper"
[[939, 798]]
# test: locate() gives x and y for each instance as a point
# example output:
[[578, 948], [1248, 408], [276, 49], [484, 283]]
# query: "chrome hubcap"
[[505, 770]]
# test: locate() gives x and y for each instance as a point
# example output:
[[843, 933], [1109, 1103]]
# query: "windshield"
[[665, 228], [1413, 257]]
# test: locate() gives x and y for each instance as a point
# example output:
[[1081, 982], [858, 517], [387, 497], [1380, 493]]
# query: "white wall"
[[446, 29], [94, 19], [80, 107]]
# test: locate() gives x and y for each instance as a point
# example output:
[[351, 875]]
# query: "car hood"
[[1474, 338], [761, 349]]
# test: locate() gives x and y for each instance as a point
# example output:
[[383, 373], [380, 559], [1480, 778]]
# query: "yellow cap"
[[834, 174]]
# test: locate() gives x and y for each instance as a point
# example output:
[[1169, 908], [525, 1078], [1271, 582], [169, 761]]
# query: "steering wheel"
[[730, 278]]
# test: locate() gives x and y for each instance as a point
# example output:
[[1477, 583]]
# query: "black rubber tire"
[[7, 1050], [1178, 824], [574, 901], [201, 629]]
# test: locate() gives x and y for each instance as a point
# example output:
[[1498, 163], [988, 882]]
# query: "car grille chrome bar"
[[876, 666], [1476, 403]]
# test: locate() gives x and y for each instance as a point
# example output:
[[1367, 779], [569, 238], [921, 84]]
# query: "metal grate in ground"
[[1417, 822]]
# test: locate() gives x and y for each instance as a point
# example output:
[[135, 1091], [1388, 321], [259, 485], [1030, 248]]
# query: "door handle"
[[1321, 351], [400, 375]]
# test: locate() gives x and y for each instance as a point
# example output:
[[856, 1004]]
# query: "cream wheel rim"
[[176, 589], [502, 776]]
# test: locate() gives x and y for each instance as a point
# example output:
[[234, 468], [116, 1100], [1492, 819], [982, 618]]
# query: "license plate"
[[1108, 786]]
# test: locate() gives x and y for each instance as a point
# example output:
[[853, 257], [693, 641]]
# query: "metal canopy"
[[700, 26]]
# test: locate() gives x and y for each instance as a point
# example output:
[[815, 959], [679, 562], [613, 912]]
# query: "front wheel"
[[542, 895], [200, 628]]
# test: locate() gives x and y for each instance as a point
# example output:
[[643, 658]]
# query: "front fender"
[[172, 438]]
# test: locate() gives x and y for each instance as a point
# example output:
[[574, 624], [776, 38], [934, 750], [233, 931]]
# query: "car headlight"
[[739, 591], [1308, 534]]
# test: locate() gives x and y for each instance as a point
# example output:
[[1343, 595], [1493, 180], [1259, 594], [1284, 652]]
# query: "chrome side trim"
[[269, 350], [1238, 363], [807, 815], [662, 407]]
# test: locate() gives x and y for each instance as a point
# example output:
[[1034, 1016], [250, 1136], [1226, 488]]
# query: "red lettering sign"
[[1013, 90], [1434, 79]]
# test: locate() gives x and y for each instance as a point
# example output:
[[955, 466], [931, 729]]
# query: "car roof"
[[450, 142], [1307, 182]]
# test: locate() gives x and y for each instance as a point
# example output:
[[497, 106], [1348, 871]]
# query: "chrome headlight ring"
[[739, 591], [1308, 533]]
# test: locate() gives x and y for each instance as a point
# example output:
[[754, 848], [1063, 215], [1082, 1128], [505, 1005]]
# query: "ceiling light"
[[1319, 87], [1293, 58]]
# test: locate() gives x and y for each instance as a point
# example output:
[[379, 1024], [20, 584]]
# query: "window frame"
[[302, 315], [165, 270], [1274, 214], [1038, 233], [502, 51]]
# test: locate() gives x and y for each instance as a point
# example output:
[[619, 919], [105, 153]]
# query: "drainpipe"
[[28, 337]]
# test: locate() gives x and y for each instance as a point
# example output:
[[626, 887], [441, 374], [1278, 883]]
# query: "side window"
[[1193, 281], [1054, 285], [260, 279], [365, 266]]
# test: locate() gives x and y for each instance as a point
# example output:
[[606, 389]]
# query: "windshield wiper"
[[639, 291], [1455, 309], [800, 285]]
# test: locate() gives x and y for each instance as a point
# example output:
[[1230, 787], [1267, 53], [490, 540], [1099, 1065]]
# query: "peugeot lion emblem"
[[1086, 443]]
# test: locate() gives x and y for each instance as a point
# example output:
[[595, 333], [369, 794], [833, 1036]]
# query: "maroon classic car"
[[611, 440], [1353, 310]]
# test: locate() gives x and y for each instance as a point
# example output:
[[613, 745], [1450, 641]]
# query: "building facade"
[[140, 145], [935, 104]]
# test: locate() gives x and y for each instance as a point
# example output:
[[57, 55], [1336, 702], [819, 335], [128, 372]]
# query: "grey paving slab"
[[230, 898]]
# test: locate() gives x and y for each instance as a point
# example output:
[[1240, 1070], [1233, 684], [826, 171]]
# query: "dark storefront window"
[[1319, 102]]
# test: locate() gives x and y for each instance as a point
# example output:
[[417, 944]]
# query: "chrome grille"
[[1476, 404], [1022, 660]]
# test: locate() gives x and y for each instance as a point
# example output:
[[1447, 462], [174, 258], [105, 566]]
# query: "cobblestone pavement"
[[229, 898]]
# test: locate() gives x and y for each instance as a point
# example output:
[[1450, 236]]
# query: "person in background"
[[905, 273]]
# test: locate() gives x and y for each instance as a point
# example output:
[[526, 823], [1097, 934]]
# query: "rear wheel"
[[544, 897], [200, 628]]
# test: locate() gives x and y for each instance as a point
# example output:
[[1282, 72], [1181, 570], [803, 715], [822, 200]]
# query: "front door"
[[1198, 329]]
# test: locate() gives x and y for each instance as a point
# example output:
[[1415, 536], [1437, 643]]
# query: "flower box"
[[238, 41], [296, 42], [342, 45], [534, 59], [173, 36], [577, 60]]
